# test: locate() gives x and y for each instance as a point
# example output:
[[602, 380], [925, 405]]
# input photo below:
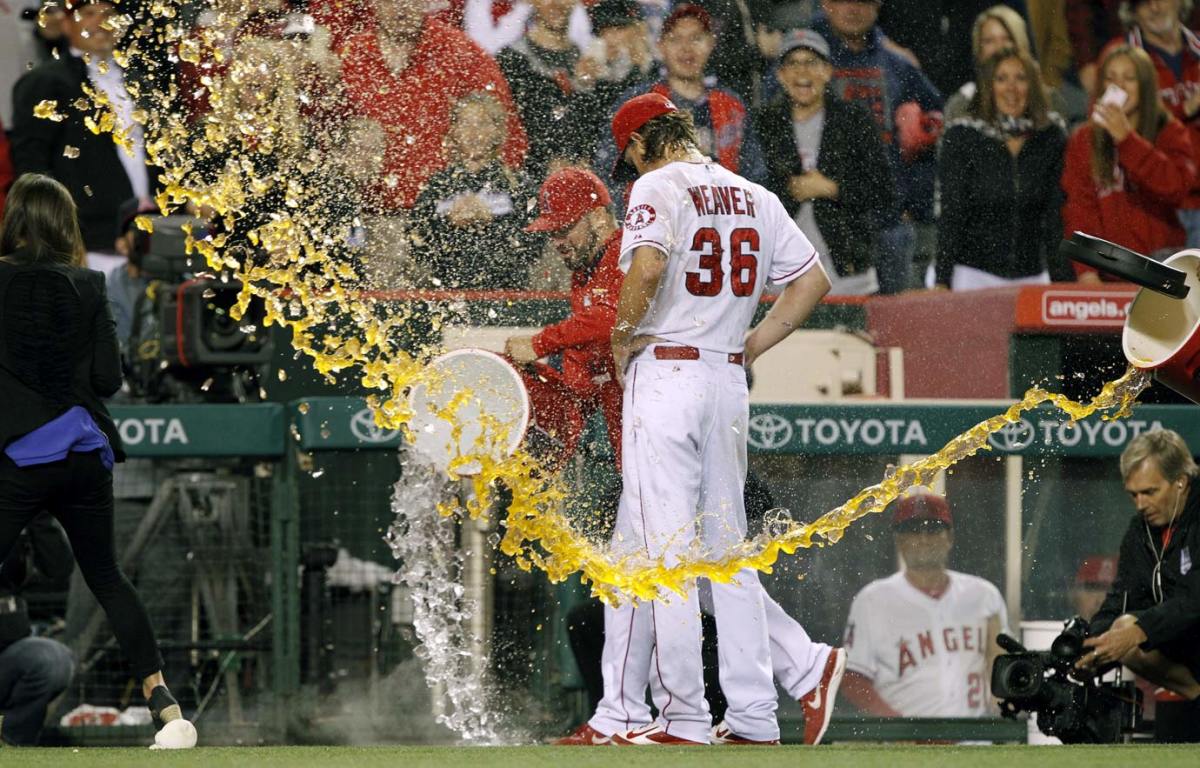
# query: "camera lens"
[[1018, 678]]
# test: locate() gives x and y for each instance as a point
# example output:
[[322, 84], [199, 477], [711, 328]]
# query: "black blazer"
[[96, 178], [851, 154], [95, 365]]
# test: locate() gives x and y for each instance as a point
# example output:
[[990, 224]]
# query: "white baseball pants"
[[684, 467]]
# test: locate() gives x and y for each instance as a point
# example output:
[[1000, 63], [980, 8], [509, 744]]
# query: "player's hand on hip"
[[620, 352], [520, 350]]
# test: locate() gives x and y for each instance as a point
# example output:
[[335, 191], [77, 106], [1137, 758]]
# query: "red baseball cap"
[[922, 506], [566, 195], [687, 11], [632, 115], [1100, 570]]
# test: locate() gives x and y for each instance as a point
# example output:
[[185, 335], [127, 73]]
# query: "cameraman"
[[1150, 620], [126, 284]]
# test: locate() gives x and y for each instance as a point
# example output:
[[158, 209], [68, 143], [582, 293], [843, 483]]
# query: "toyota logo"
[[769, 431], [363, 425], [1013, 437]]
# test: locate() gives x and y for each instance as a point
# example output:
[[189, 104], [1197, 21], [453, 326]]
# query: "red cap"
[[632, 115], [922, 506], [687, 11], [1097, 569], [566, 195]]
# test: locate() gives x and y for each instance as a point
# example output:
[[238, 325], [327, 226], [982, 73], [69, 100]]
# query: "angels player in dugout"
[[921, 642], [574, 209], [698, 246]]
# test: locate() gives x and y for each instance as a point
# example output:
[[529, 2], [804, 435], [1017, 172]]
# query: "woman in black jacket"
[[58, 358], [827, 163], [999, 171]]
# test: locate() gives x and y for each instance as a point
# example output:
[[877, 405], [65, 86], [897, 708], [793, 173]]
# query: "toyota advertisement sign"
[[923, 429]]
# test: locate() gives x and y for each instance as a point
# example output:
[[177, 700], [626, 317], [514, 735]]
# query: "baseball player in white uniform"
[[921, 641], [700, 244]]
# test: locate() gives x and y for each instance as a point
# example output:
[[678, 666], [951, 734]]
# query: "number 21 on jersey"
[[743, 248]]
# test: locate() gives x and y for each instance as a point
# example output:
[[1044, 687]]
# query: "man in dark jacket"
[[827, 164], [553, 87], [33, 670], [1150, 621], [99, 174], [907, 110]]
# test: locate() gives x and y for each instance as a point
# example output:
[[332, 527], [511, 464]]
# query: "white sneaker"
[[177, 734]]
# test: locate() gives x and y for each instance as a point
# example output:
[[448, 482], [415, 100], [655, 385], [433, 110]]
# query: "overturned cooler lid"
[[1125, 264]]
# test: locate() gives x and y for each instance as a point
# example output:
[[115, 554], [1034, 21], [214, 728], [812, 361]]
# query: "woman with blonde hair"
[[58, 443], [1128, 168], [996, 29]]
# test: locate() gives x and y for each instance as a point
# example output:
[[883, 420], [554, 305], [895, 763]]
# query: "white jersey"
[[724, 237], [926, 656]]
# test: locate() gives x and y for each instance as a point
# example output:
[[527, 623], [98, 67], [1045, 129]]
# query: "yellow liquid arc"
[[544, 538], [274, 186]]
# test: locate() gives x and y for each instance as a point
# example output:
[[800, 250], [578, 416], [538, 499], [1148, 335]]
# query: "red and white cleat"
[[651, 735], [584, 736], [818, 704], [722, 735]]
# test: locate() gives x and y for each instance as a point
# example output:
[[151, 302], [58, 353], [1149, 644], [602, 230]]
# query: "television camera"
[[1069, 704], [184, 345]]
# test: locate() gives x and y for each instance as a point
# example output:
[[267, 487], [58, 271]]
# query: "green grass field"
[[849, 756]]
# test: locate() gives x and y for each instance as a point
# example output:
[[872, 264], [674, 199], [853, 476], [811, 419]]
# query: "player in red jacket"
[[575, 210]]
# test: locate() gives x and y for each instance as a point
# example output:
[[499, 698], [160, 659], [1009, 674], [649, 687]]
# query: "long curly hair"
[[1037, 108], [674, 130]]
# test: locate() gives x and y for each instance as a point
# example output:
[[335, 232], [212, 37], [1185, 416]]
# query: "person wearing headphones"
[[1150, 620]]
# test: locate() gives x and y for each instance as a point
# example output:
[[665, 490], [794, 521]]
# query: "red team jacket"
[[1138, 209], [584, 339]]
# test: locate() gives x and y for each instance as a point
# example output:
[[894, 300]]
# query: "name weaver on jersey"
[[699, 246]]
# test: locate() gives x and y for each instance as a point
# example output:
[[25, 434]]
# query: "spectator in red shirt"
[[407, 74], [1128, 168], [1091, 23], [575, 210], [1158, 29]]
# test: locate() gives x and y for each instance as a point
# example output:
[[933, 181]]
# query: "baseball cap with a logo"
[[565, 197], [921, 508], [631, 116]]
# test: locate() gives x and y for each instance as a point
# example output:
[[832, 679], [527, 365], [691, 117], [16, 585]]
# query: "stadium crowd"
[[924, 145], [963, 138]]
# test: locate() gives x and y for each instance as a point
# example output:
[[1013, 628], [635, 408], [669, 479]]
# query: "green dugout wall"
[[1027, 509]]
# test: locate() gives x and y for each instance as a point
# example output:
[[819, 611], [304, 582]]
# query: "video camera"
[[1070, 705], [184, 344]]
